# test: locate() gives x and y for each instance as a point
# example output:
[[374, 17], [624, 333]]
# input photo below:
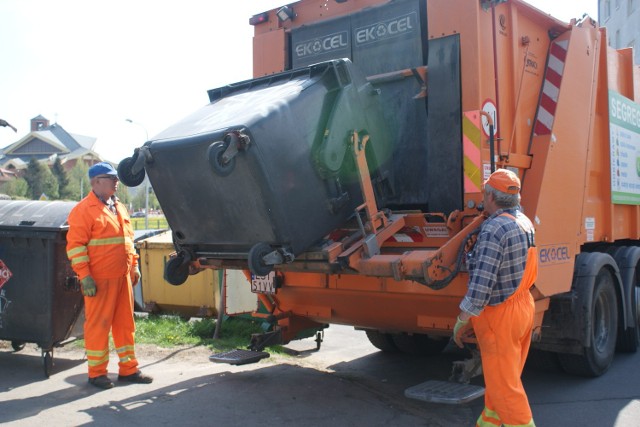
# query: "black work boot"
[[102, 382], [138, 378]]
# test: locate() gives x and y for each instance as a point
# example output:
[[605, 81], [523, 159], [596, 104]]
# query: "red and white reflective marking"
[[551, 88], [406, 237], [5, 274]]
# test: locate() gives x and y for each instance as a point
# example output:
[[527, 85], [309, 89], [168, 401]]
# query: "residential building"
[[45, 142], [622, 21]]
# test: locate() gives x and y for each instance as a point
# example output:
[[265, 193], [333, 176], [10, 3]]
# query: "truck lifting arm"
[[433, 268]]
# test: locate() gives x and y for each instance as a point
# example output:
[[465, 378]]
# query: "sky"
[[90, 65]]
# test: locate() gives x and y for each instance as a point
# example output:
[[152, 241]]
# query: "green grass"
[[169, 331], [155, 223]]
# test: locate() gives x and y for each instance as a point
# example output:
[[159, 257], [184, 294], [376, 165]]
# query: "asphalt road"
[[347, 383]]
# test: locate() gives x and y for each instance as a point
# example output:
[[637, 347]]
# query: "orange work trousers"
[[504, 337], [110, 310]]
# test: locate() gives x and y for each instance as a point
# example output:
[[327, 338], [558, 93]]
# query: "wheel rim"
[[637, 302], [601, 322], [637, 297]]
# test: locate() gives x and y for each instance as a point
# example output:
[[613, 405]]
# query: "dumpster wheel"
[[222, 164], [17, 345], [47, 359], [126, 176], [256, 259], [176, 271]]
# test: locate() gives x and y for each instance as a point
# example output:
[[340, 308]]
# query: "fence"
[[155, 223]]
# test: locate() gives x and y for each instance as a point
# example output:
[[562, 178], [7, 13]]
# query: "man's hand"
[[459, 330], [135, 275], [88, 286]]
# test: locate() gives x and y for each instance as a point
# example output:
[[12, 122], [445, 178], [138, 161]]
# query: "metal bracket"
[[238, 141], [265, 339], [278, 256], [464, 370], [144, 156]]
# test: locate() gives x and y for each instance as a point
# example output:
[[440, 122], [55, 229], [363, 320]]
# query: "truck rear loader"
[[347, 175]]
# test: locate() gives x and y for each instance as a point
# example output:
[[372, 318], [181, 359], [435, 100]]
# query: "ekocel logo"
[[554, 254], [323, 44], [390, 28]]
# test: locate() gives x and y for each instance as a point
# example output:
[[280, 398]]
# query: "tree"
[[78, 181], [40, 180], [16, 188], [123, 194], [139, 199], [63, 180], [79, 184]]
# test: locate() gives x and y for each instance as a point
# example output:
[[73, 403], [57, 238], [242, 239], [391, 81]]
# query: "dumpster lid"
[[34, 214], [161, 240], [145, 234]]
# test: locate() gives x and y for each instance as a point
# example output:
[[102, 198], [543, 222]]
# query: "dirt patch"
[[193, 354]]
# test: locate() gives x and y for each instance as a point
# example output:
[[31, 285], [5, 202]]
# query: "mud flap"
[[451, 393]]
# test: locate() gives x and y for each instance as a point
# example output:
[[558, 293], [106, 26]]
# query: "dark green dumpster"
[[40, 300]]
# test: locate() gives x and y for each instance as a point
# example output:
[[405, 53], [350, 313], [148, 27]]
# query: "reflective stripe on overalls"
[[504, 336]]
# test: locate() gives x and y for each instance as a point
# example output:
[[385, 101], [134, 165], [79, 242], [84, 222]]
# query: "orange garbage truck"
[[346, 177]]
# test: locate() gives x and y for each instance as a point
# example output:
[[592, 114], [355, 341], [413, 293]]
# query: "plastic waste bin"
[[40, 299], [245, 175], [138, 299]]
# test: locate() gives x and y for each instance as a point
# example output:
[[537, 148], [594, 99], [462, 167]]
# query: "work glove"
[[88, 286], [135, 275], [459, 330]]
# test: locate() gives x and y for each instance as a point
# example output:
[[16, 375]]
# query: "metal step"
[[444, 392], [238, 357]]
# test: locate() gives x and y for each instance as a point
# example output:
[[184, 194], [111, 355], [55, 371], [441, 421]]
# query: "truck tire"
[[544, 361], [419, 344], [596, 359], [381, 341], [629, 338]]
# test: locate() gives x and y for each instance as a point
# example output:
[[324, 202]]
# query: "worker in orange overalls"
[[100, 248], [498, 305]]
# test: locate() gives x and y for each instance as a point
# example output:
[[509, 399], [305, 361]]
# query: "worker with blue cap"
[[100, 248]]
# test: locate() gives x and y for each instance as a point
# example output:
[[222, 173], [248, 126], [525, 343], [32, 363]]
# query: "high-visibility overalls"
[[504, 337], [100, 244]]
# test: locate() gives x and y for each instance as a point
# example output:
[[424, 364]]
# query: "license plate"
[[263, 284]]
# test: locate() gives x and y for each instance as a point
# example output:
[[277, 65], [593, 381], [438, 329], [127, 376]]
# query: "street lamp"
[[146, 134], [146, 180]]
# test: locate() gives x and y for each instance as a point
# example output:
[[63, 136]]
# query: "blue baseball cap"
[[102, 168]]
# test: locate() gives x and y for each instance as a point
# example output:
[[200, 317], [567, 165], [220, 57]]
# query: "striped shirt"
[[496, 262], [110, 202]]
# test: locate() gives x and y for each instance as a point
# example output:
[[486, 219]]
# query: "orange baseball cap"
[[504, 180]]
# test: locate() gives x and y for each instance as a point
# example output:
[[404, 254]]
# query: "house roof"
[[45, 143], [16, 163], [87, 142], [6, 175]]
